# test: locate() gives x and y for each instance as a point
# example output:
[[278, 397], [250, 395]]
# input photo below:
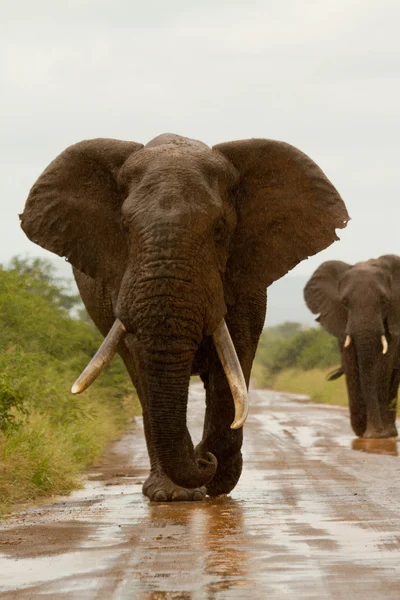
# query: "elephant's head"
[[360, 305], [179, 232]]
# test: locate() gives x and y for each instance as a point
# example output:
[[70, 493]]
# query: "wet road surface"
[[316, 514]]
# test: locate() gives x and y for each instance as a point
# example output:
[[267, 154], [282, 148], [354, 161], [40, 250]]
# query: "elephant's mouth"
[[225, 349]]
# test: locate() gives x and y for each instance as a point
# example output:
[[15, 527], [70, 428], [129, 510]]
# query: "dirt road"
[[312, 517]]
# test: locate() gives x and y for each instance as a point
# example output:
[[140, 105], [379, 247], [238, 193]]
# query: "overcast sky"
[[322, 75]]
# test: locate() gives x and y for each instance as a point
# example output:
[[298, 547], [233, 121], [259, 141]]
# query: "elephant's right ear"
[[73, 209], [321, 294], [287, 210]]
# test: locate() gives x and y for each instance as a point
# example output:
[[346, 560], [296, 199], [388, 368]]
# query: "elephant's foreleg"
[[158, 487], [390, 412], [388, 388], [225, 443], [245, 324]]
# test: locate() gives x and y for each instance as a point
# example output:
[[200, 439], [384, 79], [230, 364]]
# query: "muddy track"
[[316, 514]]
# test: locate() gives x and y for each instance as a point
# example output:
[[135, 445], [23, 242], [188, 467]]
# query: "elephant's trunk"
[[369, 348], [167, 309]]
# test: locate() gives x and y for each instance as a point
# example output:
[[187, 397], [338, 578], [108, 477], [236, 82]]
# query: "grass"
[[44, 457], [313, 384]]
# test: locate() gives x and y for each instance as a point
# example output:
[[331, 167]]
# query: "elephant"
[[360, 305], [173, 245]]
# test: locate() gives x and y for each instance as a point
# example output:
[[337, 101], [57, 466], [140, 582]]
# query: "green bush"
[[290, 346], [47, 435]]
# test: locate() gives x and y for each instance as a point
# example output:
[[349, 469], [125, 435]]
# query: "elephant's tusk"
[[102, 357], [347, 341], [233, 371], [385, 345]]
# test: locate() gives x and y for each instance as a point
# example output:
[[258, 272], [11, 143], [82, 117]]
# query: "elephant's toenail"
[[160, 496], [197, 495], [180, 495]]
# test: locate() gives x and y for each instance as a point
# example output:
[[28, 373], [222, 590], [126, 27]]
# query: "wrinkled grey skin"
[[171, 238], [363, 301]]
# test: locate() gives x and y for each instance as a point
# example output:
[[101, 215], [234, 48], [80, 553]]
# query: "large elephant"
[[360, 305], [173, 245]]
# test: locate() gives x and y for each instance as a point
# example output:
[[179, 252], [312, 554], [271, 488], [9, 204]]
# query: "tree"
[[40, 276]]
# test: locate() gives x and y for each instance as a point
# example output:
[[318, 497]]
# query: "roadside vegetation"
[[47, 435], [295, 359]]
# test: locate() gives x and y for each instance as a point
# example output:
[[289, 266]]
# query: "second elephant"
[[360, 305]]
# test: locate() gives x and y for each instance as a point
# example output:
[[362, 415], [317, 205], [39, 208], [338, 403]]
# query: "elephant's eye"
[[385, 301], [125, 224], [221, 233]]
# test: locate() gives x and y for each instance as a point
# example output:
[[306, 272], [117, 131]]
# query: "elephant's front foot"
[[391, 431], [227, 475], [386, 432], [159, 488]]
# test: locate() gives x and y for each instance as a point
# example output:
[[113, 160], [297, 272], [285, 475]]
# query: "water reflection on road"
[[376, 446]]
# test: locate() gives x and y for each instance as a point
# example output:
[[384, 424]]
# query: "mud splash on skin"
[[310, 518]]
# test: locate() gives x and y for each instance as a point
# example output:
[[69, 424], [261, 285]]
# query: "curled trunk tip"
[[192, 474]]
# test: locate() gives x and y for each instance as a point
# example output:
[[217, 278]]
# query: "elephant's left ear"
[[391, 263], [287, 210]]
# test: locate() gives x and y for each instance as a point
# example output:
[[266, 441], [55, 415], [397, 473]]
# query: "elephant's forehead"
[[191, 159], [172, 139], [368, 273]]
